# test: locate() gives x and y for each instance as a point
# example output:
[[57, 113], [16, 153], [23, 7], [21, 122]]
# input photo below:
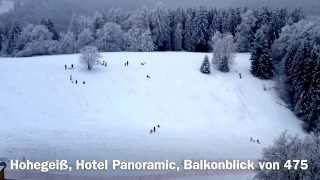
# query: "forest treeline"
[[158, 29]]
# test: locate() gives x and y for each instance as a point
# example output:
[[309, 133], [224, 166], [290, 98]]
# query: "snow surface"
[[44, 116]]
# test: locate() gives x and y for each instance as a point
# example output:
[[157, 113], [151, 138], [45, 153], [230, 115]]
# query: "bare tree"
[[89, 56]]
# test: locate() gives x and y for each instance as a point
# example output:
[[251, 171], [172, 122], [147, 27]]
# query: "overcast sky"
[[311, 6]]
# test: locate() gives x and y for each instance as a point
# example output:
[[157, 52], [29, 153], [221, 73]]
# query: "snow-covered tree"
[[296, 15], [111, 38], [223, 51], [98, 22], [85, 38], [200, 34], [89, 57], [139, 19], [160, 28], [79, 23], [50, 26], [245, 32], [205, 67], [38, 41], [261, 61], [296, 54], [139, 40], [288, 148], [11, 40], [178, 37], [115, 15], [67, 43], [188, 30]]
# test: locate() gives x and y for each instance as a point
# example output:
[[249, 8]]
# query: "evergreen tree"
[[261, 61], [200, 34], [205, 67], [298, 50]]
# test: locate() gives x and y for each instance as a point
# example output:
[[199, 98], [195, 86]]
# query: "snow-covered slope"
[[44, 116]]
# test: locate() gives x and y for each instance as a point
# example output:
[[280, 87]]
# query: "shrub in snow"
[[205, 67], [89, 56], [287, 148], [223, 51]]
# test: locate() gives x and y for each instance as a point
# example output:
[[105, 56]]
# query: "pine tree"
[[261, 61], [200, 33], [205, 67]]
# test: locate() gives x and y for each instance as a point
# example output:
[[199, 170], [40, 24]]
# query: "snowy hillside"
[[44, 116]]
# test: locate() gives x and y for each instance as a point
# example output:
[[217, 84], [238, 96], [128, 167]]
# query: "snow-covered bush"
[[89, 56], [223, 51], [205, 67]]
